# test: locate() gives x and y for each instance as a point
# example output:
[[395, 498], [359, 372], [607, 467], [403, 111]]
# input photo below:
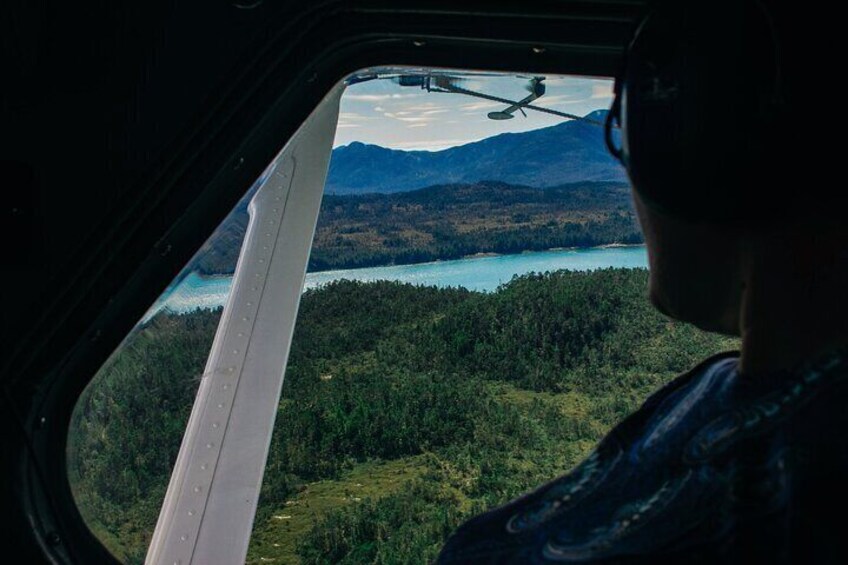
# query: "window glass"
[[474, 319], [127, 425]]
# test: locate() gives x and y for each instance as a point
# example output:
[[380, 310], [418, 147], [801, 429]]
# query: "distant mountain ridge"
[[569, 152]]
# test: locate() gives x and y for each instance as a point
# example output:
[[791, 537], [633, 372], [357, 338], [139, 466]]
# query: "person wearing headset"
[[743, 459]]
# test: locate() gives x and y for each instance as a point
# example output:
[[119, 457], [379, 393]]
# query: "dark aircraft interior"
[[130, 130]]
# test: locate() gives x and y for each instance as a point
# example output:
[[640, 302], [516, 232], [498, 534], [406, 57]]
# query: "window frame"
[[209, 177]]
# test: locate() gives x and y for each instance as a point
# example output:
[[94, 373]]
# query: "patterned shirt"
[[713, 468]]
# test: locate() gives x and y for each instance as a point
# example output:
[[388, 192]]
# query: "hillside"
[[453, 221], [404, 409], [448, 222], [569, 152]]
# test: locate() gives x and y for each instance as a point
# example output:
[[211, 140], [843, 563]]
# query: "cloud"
[[405, 117], [353, 116], [427, 107], [473, 84], [602, 90], [477, 106], [353, 120], [430, 144], [377, 97], [548, 101]]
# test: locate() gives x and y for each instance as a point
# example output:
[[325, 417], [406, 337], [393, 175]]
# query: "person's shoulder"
[[725, 359], [705, 469], [714, 370], [633, 477]]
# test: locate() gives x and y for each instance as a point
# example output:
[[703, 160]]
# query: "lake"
[[474, 273]]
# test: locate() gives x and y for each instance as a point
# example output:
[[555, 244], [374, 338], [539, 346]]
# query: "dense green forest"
[[404, 411], [448, 222]]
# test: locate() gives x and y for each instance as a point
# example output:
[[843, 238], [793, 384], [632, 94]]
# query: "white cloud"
[[377, 97], [353, 116], [472, 84], [405, 117], [477, 106], [431, 144], [602, 91], [548, 101], [352, 120], [427, 107]]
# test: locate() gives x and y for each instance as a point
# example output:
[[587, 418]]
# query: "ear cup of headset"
[[698, 103]]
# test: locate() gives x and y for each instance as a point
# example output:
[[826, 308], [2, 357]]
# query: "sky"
[[382, 112]]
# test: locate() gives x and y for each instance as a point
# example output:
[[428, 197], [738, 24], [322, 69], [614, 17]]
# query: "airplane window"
[[473, 320]]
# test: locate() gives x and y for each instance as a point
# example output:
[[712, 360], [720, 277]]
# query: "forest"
[[447, 222], [405, 409]]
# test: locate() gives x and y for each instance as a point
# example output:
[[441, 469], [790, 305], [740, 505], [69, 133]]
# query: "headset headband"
[[672, 145]]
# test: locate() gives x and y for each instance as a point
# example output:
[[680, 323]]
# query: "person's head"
[[725, 180]]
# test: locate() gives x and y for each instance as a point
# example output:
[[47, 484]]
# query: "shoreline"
[[480, 255], [386, 272], [611, 245]]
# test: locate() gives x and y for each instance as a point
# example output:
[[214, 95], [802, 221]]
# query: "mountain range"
[[565, 167], [569, 152]]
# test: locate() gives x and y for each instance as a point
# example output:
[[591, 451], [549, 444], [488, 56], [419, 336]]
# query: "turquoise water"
[[474, 273]]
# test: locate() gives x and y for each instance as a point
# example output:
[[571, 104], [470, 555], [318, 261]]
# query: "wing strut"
[[208, 512]]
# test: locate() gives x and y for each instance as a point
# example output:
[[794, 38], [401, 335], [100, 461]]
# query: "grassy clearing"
[[277, 539], [571, 404]]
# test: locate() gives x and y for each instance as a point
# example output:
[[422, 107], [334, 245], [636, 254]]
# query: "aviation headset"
[[700, 106]]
